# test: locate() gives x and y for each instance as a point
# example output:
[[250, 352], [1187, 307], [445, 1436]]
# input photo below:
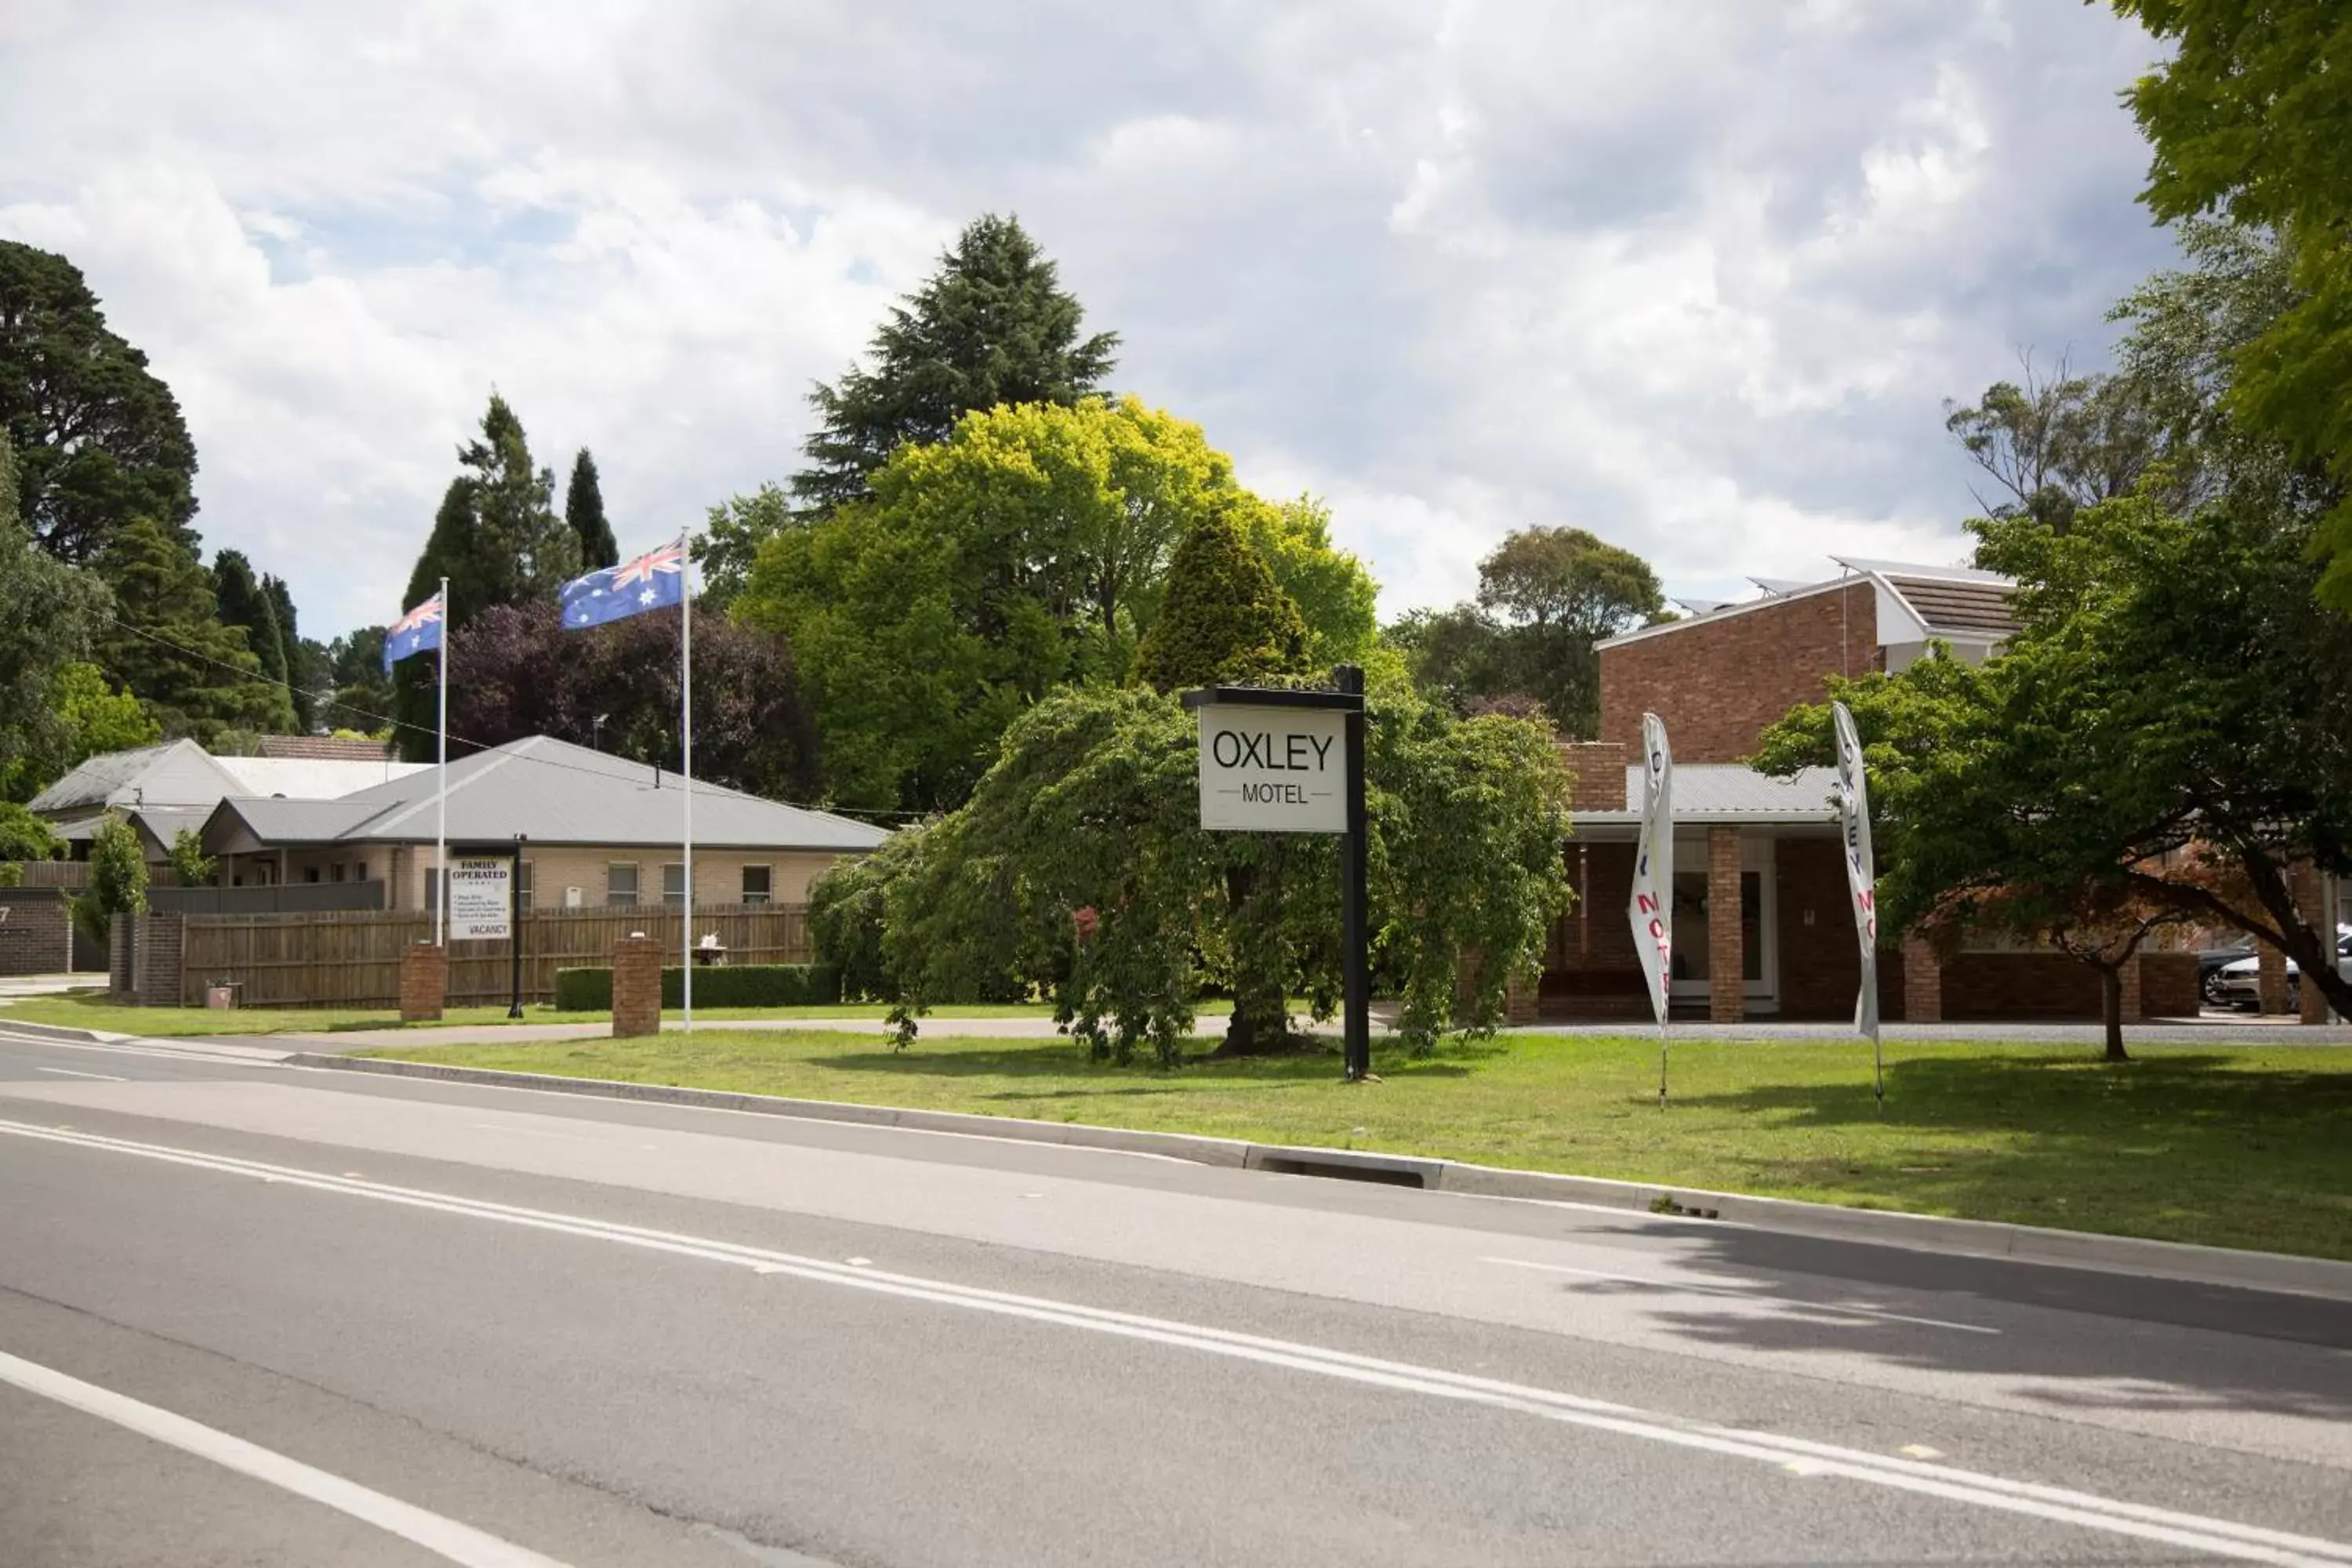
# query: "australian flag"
[[414, 632], [653, 581]]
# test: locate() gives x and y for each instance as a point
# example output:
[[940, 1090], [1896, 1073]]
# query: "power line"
[[389, 721]]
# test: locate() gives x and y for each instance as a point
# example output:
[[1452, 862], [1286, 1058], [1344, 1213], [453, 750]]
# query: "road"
[[257, 1314]]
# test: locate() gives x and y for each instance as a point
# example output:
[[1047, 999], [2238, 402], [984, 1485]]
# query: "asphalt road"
[[254, 1314]]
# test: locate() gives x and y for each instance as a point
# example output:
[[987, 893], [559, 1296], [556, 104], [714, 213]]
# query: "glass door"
[[1758, 927]]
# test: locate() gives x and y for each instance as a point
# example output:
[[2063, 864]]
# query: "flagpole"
[[685, 773], [441, 804]]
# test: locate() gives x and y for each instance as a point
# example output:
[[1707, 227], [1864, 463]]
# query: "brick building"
[[1762, 923]]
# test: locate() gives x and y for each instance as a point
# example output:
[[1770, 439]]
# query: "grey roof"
[[1733, 791], [556, 793], [311, 778], [1965, 610], [162, 823], [177, 772]]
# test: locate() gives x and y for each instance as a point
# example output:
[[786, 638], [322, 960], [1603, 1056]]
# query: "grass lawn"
[[91, 1010], [2230, 1147]]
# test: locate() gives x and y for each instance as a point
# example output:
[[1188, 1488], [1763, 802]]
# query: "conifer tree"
[[1222, 619], [583, 512]]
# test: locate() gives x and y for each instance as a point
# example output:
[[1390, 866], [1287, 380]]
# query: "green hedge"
[[725, 985]]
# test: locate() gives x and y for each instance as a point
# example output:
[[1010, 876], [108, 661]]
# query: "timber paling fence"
[[351, 958]]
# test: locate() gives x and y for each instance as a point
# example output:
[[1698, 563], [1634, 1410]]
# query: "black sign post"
[[1259, 782], [514, 899]]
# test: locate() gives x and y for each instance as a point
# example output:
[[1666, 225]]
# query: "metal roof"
[[556, 793], [1733, 791], [177, 772], [312, 778]]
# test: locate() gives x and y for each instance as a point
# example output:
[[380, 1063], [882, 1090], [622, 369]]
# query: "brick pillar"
[[1726, 953], [1519, 1001], [2132, 997], [423, 981], [1923, 983], [636, 987], [2270, 978]]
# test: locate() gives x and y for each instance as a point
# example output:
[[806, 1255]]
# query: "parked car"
[[2209, 964], [2237, 984]]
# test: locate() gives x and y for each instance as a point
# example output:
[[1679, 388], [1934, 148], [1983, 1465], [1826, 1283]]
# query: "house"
[[1763, 924], [595, 830], [161, 789]]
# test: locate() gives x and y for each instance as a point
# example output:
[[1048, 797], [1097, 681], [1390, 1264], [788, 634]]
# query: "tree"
[[498, 541], [1224, 619], [615, 688], [2247, 118], [24, 836], [194, 674], [361, 695], [306, 667], [992, 327], [583, 513], [189, 863], [2056, 444], [118, 879], [1335, 597], [729, 542], [245, 603], [1457, 656], [53, 612], [1080, 869], [99, 437]]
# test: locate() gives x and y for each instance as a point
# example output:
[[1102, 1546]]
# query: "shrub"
[[729, 986]]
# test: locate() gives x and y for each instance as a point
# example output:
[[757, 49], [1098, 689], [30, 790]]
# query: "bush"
[[735, 985]]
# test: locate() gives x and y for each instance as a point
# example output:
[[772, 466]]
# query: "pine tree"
[[583, 510], [1222, 619], [991, 326], [171, 648], [305, 660], [243, 602]]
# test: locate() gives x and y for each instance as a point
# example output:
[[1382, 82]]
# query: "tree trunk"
[[2314, 952], [2111, 998]]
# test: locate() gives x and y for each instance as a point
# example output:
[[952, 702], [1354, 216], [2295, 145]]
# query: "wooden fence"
[[351, 959]]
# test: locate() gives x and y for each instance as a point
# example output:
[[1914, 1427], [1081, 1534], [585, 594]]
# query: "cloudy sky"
[[1694, 274]]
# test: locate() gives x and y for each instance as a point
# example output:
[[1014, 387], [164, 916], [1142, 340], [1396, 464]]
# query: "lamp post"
[[515, 917]]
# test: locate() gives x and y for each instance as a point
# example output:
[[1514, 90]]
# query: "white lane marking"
[[460, 1543], [1741, 1291], [238, 1056], [68, 1072], [2251, 1543]]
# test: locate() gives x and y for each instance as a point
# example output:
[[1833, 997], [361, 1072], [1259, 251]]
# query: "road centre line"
[[1741, 1291], [68, 1072], [2224, 1537], [459, 1543], [256, 1057]]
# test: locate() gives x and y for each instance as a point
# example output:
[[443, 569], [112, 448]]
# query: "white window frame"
[[668, 898], [636, 885], [766, 895]]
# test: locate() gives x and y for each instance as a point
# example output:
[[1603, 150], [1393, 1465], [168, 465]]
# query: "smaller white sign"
[[1274, 770], [480, 898]]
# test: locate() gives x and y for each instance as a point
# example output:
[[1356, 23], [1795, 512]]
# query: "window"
[[310, 873], [758, 883], [621, 884], [674, 883], [358, 870], [338, 872]]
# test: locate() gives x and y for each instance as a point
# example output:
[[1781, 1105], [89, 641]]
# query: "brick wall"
[[1720, 683], [1598, 768], [423, 981], [636, 987], [35, 936], [2051, 987], [1727, 998]]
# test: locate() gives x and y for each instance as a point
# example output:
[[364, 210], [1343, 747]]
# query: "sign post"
[[1278, 760], [514, 948]]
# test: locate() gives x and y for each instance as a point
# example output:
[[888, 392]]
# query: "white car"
[[2237, 984]]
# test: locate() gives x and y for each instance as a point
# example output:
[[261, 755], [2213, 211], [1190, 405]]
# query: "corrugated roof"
[[1732, 792], [177, 772], [558, 794], [1967, 609], [312, 778]]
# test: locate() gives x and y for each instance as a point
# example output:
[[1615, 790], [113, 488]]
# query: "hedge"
[[723, 985]]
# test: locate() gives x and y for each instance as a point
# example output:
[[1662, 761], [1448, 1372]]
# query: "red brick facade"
[[35, 936], [1720, 682], [636, 987], [1599, 769], [423, 981]]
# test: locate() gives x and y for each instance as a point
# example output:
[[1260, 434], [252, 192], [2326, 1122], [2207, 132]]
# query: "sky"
[[1694, 274]]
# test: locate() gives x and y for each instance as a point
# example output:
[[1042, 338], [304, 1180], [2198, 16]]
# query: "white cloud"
[[1694, 277]]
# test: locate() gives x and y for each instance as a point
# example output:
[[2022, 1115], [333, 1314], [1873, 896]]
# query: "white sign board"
[[1274, 770], [480, 901]]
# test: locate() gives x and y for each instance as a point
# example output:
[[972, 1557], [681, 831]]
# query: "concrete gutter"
[[1872, 1227]]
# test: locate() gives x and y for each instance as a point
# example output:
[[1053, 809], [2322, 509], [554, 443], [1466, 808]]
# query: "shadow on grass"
[[1060, 1059]]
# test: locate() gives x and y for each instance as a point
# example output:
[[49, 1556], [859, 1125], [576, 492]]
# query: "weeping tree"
[[1079, 870]]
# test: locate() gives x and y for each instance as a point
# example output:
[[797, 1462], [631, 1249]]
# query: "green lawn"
[[91, 1010], [2235, 1147]]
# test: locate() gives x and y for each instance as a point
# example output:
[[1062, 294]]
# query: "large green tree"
[[53, 613], [730, 541], [1027, 550], [245, 602], [2054, 442], [192, 672], [2249, 117], [359, 696], [497, 540], [992, 326], [99, 437], [583, 512], [87, 718], [1223, 618], [1080, 869]]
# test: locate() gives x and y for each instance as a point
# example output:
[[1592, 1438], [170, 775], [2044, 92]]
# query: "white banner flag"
[[1651, 909], [1861, 869]]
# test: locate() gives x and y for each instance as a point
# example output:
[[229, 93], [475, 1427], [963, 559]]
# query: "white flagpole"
[[685, 773], [441, 804]]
